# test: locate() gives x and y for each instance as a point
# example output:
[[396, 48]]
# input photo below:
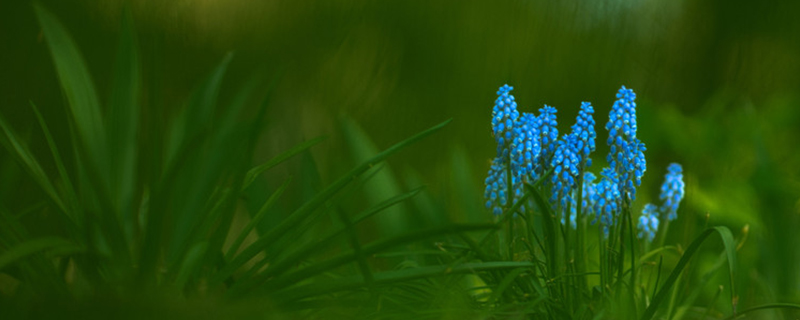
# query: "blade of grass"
[[730, 251], [31, 247], [497, 293], [306, 209], [123, 121], [256, 219], [324, 242], [28, 161], [791, 306], [255, 172], [77, 87], [296, 276], [196, 117], [190, 263], [71, 195], [389, 277], [383, 185]]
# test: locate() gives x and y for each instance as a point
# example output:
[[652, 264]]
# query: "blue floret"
[[672, 191]]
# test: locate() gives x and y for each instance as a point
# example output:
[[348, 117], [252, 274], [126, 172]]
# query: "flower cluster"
[[672, 191], [529, 147], [583, 129], [605, 203], [548, 135], [565, 164], [503, 116], [496, 187], [626, 154], [526, 146], [648, 222]]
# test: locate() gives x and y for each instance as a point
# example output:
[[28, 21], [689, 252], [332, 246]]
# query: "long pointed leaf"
[[77, 86], [255, 172], [390, 277], [730, 251], [301, 213], [29, 163], [256, 219], [123, 117]]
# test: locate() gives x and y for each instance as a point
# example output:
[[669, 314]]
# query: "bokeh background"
[[717, 83]]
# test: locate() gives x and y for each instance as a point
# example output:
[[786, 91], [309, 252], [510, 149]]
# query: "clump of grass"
[[139, 215], [138, 218]]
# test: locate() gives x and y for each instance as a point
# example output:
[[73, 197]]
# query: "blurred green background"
[[718, 87]]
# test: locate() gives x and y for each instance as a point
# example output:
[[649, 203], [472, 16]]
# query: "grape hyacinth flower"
[[573, 214], [496, 187], [565, 173], [583, 129], [672, 191], [648, 222], [589, 193], [526, 147], [548, 135], [607, 198], [626, 155], [504, 114]]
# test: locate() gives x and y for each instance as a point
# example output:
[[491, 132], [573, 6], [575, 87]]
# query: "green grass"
[[150, 223]]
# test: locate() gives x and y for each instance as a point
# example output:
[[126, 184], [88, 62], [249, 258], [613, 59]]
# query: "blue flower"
[[626, 154], [672, 191], [526, 147], [504, 114], [583, 129], [589, 193], [573, 215], [565, 164], [607, 198], [648, 222], [548, 135], [496, 187]]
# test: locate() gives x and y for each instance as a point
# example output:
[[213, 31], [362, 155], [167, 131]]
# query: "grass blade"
[[505, 283], [389, 277], [123, 117], [77, 86], [306, 209], [383, 185], [256, 219], [190, 263], [255, 172], [376, 247], [325, 241], [31, 247], [373, 248], [791, 306], [730, 251], [16, 147]]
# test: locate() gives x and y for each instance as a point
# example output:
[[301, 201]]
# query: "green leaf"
[[373, 248], [325, 241], [306, 209], [17, 148], [190, 263], [255, 172], [123, 117], [196, 118], [78, 88], [378, 246], [764, 307], [383, 185], [497, 293], [31, 247], [256, 219], [390, 277], [730, 251]]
